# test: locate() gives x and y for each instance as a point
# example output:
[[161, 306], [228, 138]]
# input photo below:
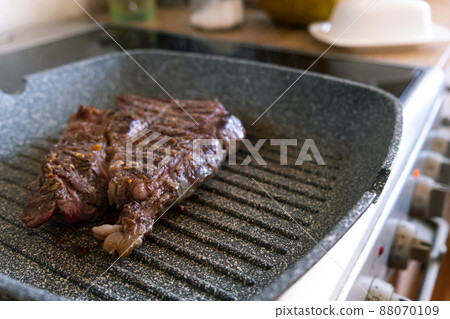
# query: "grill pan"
[[231, 241]]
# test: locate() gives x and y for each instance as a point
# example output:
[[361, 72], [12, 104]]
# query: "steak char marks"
[[73, 180], [141, 190]]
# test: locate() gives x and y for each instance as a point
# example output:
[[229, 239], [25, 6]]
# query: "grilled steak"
[[90, 170], [73, 180]]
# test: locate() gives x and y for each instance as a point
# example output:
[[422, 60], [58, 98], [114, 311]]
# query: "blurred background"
[[281, 23]]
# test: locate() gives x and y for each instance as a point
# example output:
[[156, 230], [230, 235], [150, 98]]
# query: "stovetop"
[[395, 79]]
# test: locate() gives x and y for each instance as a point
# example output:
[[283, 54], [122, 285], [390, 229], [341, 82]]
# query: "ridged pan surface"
[[249, 232]]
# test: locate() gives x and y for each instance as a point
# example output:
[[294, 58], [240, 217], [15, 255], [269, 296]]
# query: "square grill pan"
[[231, 241]]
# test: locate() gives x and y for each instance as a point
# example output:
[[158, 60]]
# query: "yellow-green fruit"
[[298, 12]]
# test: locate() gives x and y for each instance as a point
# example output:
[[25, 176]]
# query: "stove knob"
[[381, 290], [440, 142], [446, 121], [407, 246], [436, 166], [429, 198]]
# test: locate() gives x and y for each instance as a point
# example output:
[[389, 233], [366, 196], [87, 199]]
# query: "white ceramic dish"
[[318, 31], [380, 23]]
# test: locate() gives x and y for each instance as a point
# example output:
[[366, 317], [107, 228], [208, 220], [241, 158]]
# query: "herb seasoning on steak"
[[88, 171], [73, 180]]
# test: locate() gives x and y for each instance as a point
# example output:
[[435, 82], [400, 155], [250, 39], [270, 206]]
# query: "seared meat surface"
[[73, 180], [89, 170]]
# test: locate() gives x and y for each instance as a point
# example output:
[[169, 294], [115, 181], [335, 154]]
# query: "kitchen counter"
[[258, 29]]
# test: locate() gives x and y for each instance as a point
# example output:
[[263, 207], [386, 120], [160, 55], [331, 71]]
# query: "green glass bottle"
[[132, 10]]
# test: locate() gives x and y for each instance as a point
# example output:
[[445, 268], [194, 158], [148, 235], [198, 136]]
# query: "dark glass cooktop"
[[14, 66]]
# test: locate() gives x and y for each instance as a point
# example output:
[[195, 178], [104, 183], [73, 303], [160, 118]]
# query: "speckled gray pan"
[[230, 241]]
